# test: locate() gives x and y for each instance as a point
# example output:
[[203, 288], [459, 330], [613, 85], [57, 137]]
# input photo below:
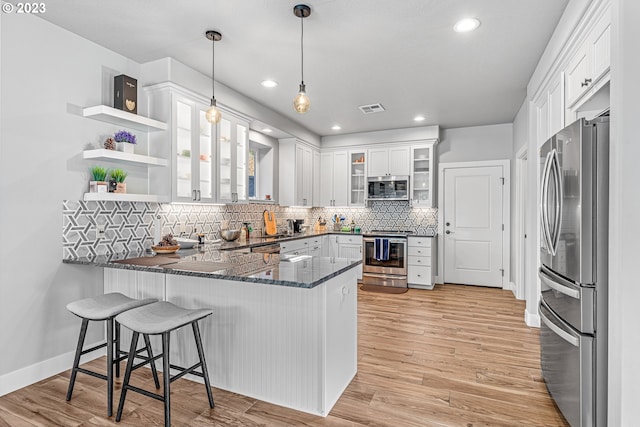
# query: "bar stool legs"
[[105, 308], [172, 317]]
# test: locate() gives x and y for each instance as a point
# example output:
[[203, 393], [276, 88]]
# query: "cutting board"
[[270, 227]]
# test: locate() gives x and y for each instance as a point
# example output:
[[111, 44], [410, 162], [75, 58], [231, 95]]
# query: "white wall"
[[44, 70], [417, 133], [477, 143], [624, 292], [520, 139]]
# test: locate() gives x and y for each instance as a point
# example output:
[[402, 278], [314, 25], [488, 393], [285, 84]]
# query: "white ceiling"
[[400, 53]]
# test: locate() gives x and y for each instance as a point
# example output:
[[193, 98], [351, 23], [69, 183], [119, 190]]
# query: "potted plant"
[[125, 141], [118, 176], [98, 182]]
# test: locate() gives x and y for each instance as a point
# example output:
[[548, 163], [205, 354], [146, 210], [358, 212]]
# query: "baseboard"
[[39, 371], [532, 319], [510, 286]]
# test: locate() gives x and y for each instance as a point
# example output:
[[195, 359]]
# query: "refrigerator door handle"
[[559, 284], [565, 335], [555, 167], [544, 214]]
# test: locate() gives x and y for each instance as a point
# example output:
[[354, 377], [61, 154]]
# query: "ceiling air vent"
[[371, 108]]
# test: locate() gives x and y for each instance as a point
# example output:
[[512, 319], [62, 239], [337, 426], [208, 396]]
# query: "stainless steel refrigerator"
[[573, 273]]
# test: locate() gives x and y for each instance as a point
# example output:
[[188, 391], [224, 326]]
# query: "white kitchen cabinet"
[[421, 183], [334, 184], [296, 173], [309, 246], [190, 145], [347, 246], [316, 179], [421, 262], [357, 178], [588, 68], [233, 147], [389, 161], [315, 245], [549, 108], [193, 151], [295, 247]]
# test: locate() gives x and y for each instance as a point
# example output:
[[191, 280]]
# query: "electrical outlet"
[[100, 231]]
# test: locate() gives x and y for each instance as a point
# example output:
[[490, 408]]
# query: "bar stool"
[[161, 318], [100, 308]]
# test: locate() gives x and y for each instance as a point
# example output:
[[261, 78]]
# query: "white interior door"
[[473, 225]]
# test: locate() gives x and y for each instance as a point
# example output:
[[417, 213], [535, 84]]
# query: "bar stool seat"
[[105, 308], [161, 318]]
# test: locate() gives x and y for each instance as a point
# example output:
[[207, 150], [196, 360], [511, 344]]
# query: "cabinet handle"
[[199, 195], [193, 195]]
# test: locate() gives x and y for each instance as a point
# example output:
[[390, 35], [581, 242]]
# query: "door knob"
[[448, 232], [448, 224]]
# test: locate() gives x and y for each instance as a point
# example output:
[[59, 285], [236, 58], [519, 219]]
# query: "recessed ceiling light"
[[336, 127], [466, 25], [266, 130], [418, 119], [269, 83]]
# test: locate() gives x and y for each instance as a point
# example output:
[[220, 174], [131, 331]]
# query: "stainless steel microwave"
[[388, 187]]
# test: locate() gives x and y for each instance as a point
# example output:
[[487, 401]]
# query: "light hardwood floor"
[[454, 356]]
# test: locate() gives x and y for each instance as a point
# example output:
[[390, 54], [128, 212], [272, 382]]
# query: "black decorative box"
[[125, 93]]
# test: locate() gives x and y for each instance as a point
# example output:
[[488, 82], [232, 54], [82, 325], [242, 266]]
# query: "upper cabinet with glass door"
[[358, 178], [421, 182], [233, 147], [193, 152]]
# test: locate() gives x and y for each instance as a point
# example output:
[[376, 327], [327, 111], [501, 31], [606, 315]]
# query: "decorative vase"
[[125, 147], [103, 186], [121, 188]]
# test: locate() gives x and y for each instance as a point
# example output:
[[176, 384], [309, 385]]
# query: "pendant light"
[[301, 102], [213, 113]]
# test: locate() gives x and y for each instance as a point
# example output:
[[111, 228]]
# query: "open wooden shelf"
[[123, 118], [128, 197], [102, 153]]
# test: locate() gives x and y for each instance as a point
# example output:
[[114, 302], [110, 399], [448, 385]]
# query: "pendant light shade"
[[213, 113], [301, 102]]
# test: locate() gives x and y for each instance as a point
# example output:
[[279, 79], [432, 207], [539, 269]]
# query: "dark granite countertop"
[[265, 241], [270, 269]]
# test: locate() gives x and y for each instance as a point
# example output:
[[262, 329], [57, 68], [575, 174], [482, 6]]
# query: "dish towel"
[[381, 249]]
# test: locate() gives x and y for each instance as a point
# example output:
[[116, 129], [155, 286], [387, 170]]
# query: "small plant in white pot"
[[119, 175], [125, 141], [98, 183]]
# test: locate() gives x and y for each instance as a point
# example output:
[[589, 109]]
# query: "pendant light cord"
[[213, 67], [301, 46]]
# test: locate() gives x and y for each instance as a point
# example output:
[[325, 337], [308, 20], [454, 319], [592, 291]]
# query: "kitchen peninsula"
[[283, 330]]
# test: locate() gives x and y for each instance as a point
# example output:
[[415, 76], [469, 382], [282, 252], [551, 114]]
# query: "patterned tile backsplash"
[[130, 226]]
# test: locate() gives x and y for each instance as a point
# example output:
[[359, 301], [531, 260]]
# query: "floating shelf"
[[119, 156], [114, 116], [128, 197]]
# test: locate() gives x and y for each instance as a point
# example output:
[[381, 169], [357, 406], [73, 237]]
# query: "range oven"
[[384, 261]]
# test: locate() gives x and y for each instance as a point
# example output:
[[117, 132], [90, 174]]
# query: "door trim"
[[521, 191], [506, 209]]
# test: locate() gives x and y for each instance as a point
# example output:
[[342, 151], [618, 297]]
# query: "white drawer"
[[294, 245], [424, 261], [419, 251], [425, 242], [349, 238], [419, 275]]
